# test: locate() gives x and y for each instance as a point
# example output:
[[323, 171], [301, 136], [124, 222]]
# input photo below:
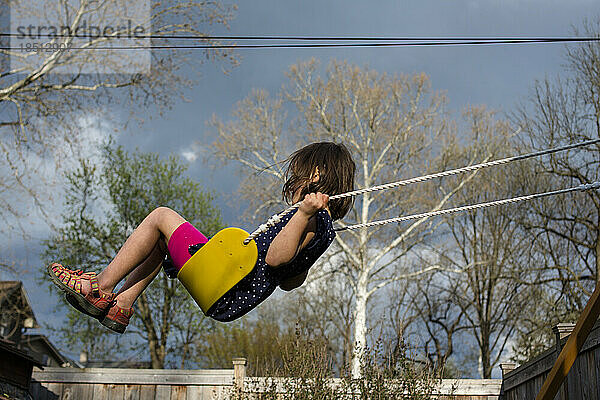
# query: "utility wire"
[[126, 35], [366, 42]]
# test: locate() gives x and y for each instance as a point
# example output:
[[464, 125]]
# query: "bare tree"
[[66, 71], [439, 317], [487, 248], [566, 232], [393, 126]]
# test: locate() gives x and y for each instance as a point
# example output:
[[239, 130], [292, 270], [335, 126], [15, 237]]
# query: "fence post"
[[568, 354], [506, 368], [561, 331], [239, 372]]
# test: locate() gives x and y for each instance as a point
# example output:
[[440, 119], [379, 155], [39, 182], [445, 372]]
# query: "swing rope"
[[277, 217], [582, 187], [457, 171]]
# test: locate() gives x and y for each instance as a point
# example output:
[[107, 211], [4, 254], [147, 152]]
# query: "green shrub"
[[307, 373]]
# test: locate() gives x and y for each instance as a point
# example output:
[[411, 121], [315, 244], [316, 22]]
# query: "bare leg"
[[144, 248], [161, 222], [141, 276]]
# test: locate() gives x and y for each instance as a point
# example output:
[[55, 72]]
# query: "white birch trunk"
[[360, 325], [362, 284]]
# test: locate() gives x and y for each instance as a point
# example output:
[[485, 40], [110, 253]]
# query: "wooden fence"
[[148, 384], [130, 384], [583, 380], [447, 389], [523, 383]]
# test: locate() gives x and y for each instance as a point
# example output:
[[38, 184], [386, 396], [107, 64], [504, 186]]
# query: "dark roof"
[[11, 291], [11, 348], [28, 340]]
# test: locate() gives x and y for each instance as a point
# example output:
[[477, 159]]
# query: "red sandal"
[[96, 303], [117, 318]]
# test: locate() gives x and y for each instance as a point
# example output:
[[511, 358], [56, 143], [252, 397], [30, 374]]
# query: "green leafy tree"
[[104, 204]]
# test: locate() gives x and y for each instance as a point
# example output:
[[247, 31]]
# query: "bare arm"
[[298, 232]]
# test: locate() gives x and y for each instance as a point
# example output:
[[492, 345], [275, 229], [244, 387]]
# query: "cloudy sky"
[[497, 76]]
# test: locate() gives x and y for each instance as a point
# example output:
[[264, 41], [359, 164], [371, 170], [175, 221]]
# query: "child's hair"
[[336, 174]]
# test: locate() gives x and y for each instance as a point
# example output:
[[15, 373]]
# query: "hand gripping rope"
[[594, 185]]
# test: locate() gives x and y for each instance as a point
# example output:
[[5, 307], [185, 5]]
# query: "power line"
[[122, 35], [366, 42]]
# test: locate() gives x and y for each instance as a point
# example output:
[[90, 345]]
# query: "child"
[[286, 251]]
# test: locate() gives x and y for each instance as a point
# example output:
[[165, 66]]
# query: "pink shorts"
[[182, 238]]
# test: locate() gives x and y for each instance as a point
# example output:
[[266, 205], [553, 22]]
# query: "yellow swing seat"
[[218, 266]]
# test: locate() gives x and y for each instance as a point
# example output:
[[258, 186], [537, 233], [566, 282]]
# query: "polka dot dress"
[[262, 281]]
